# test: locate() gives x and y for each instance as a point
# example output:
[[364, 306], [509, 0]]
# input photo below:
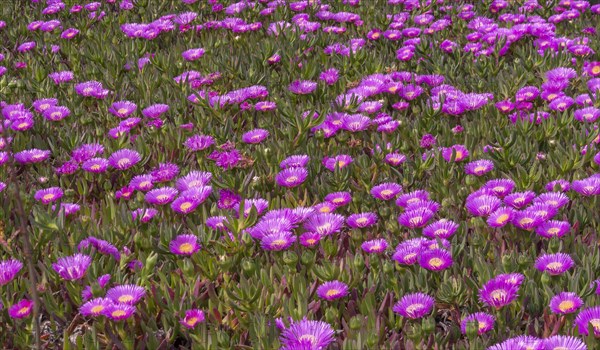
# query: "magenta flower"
[[124, 159], [184, 245], [72, 267], [553, 228], [563, 342], [339, 199], [329, 76], [498, 293], [375, 246], [479, 167], [435, 259], [415, 218], [21, 309], [277, 241], [310, 239], [307, 334], [69, 33], [95, 307], [129, 294], [302, 87], [485, 322], [414, 306], [554, 264], [8, 270], [588, 316], [193, 54], [161, 196], [255, 136], [483, 205], [192, 318], [565, 303], [386, 191], [332, 290], [361, 220], [95, 165], [145, 215], [291, 177], [199, 142], [460, 152], [48, 195], [442, 229], [31, 156], [340, 161], [324, 223], [118, 311], [296, 161], [122, 109]]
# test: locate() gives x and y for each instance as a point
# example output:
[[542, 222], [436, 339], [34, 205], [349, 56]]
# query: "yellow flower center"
[[291, 179], [565, 305], [118, 313], [125, 298], [95, 167], [502, 218], [185, 206], [186, 248], [525, 221], [162, 197], [97, 309], [332, 292], [23, 310], [596, 70], [191, 321], [553, 231], [44, 107], [386, 193], [122, 111], [278, 243], [479, 169], [498, 294], [416, 220], [554, 265], [123, 162], [361, 221], [414, 307], [436, 262], [48, 197], [596, 324]]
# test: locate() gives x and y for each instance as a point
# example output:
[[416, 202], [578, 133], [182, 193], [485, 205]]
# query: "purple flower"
[[339, 199], [43, 104], [277, 241], [500, 187], [324, 223], [500, 217], [310, 239], [21, 309], [332, 290], [498, 293], [184, 245], [435, 259], [340, 161], [122, 109], [442, 229], [164, 172], [565, 303], [95, 165], [255, 136], [48, 195], [155, 111], [374, 246], [553, 228], [264, 106], [91, 89], [553, 199], [526, 220], [72, 267], [193, 54], [558, 342], [124, 159], [395, 159], [95, 307], [415, 218], [412, 197], [296, 161], [291, 177], [118, 311], [199, 142], [145, 215], [485, 322], [361, 220], [194, 179], [414, 305], [69, 33], [479, 167], [8, 270], [31, 156], [302, 87], [192, 318], [483, 205], [61, 77], [587, 316], [554, 264], [307, 334], [56, 113], [329, 76], [386, 191], [519, 200], [128, 294], [142, 183], [460, 152], [161, 196], [186, 204], [586, 187]]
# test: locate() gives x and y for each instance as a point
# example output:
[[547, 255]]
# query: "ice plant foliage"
[[301, 174]]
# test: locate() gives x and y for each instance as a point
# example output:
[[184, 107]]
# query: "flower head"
[[414, 305], [72, 267], [554, 264], [485, 322], [565, 303], [332, 290], [8, 270], [21, 309], [128, 294], [307, 334], [192, 318], [184, 245]]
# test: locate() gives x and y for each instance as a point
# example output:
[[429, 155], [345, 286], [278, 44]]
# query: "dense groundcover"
[[376, 174]]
